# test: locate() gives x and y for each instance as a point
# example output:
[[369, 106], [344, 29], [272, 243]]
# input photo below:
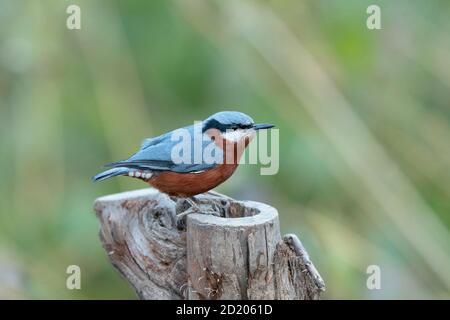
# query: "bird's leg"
[[181, 217], [216, 194], [194, 208]]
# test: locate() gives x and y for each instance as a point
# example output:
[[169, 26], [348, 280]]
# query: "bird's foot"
[[193, 208]]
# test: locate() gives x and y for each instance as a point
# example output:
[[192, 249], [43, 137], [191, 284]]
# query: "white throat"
[[237, 135]]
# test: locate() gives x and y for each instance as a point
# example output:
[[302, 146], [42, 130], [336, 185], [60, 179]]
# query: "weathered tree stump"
[[233, 252]]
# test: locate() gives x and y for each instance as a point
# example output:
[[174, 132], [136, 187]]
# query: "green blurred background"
[[364, 119]]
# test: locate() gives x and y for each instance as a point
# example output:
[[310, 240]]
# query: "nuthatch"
[[224, 134]]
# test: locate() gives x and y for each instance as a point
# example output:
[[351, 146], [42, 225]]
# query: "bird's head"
[[233, 126]]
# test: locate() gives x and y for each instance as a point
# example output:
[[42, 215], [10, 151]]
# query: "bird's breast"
[[190, 184]]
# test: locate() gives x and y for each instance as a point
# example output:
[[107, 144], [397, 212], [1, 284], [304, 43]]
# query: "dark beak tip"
[[264, 126]]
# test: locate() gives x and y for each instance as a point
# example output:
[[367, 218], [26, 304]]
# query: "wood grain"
[[233, 252]]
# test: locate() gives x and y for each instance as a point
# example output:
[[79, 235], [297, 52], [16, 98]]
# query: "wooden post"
[[233, 252]]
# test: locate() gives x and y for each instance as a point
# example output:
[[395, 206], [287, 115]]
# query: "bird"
[[221, 139]]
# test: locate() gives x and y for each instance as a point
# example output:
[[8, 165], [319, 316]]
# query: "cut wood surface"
[[222, 249]]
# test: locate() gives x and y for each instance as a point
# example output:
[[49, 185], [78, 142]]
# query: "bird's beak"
[[263, 126]]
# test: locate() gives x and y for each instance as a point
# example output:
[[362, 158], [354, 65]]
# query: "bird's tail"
[[110, 173]]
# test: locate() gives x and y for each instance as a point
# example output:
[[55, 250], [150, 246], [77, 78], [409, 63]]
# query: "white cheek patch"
[[237, 135]]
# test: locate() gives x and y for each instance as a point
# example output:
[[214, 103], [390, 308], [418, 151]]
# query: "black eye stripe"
[[241, 126], [224, 127]]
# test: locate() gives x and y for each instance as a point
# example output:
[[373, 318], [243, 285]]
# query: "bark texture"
[[222, 249]]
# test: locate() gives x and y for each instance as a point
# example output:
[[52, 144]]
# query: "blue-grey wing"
[[175, 151]]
